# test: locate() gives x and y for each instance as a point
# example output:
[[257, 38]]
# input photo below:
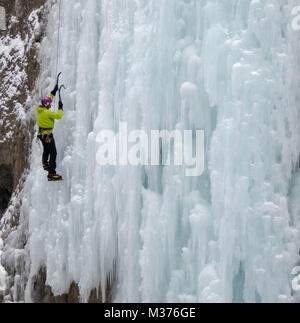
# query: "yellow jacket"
[[46, 118]]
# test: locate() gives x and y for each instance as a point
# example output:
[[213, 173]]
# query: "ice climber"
[[46, 120]]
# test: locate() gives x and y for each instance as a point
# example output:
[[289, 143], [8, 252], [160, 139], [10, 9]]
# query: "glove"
[[60, 106], [55, 90]]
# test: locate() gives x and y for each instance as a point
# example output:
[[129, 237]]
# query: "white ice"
[[2, 273], [226, 67]]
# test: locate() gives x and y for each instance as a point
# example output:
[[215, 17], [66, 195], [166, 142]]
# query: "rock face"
[[43, 293], [18, 71], [21, 30]]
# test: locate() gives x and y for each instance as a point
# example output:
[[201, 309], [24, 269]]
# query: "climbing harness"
[[42, 130], [45, 134]]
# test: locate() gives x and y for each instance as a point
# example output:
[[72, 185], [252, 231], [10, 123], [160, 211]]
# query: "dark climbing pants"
[[49, 151]]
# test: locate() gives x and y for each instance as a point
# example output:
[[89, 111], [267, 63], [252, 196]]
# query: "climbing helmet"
[[47, 101]]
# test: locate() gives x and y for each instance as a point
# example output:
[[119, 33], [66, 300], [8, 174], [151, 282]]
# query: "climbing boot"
[[54, 178]]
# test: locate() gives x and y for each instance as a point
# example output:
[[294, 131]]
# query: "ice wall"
[[226, 67], [2, 274]]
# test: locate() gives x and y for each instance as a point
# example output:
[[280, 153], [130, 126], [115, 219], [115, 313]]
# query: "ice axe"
[[60, 104], [62, 86], [57, 80]]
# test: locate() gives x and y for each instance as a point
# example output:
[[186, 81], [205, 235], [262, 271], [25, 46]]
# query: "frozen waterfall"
[[228, 68]]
